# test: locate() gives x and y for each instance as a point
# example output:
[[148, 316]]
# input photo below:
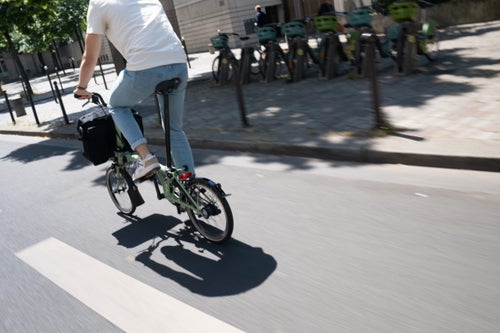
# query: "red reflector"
[[185, 175]]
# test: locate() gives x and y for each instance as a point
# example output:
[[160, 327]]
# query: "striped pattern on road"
[[126, 302]]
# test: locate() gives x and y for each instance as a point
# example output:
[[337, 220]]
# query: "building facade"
[[196, 21]]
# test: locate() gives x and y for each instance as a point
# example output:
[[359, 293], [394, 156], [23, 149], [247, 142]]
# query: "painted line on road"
[[126, 302]]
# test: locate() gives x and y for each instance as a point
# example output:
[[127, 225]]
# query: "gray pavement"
[[446, 113]]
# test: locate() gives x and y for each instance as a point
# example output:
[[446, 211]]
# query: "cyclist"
[[141, 32]]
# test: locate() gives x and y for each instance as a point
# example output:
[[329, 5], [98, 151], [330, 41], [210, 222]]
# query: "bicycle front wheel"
[[215, 220], [215, 68], [119, 184]]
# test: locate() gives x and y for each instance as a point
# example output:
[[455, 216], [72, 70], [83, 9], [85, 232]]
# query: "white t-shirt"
[[139, 29]]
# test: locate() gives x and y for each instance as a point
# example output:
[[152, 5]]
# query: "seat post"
[[164, 88]]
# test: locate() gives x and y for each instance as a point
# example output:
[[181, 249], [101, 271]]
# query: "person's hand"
[[82, 93]]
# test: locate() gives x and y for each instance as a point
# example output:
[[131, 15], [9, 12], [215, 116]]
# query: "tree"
[[19, 15], [36, 25]]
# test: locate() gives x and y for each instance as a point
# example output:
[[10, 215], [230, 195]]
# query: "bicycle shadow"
[[205, 268]]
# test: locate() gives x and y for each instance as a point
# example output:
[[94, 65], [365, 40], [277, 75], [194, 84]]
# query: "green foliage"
[[36, 24]]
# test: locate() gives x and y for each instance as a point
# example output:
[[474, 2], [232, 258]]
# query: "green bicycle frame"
[[165, 178]]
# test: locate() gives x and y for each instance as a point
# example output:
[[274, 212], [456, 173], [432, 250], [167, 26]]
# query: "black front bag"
[[98, 135]]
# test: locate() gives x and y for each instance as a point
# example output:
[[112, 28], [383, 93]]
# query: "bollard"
[[50, 82], [9, 107], [102, 74], [239, 94], [369, 39], [66, 120], [24, 85], [59, 78]]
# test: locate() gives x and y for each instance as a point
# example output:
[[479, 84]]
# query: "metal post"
[[102, 73], [59, 78], [186, 51], [30, 99], [9, 107], [370, 40], [66, 120], [50, 82], [24, 86], [239, 93]]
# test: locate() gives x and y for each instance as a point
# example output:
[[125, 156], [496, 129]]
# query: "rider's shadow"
[[215, 270]]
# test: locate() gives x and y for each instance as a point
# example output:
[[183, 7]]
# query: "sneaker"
[[146, 167]]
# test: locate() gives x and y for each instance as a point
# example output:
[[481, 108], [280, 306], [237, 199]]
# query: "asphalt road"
[[318, 246]]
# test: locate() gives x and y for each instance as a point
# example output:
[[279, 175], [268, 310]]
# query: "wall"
[[458, 12], [201, 19]]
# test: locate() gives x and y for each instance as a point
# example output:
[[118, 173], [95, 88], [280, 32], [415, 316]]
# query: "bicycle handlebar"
[[96, 99], [228, 33]]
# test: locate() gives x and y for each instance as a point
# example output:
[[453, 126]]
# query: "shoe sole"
[[147, 175]]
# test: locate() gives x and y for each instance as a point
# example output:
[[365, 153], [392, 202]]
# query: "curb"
[[358, 155]]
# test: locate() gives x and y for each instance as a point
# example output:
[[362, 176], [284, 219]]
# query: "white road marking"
[[128, 303]]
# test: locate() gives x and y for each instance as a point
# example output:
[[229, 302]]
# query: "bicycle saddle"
[[167, 86]]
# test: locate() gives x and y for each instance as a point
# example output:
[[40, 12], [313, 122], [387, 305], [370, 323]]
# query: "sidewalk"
[[447, 113]]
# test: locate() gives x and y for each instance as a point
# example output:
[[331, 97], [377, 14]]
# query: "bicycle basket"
[[219, 42], [404, 11], [326, 23], [266, 35], [294, 29], [360, 17]]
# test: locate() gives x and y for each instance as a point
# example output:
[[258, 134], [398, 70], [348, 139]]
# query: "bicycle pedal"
[[149, 176]]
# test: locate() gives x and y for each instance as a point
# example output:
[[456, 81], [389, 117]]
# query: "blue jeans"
[[131, 87]]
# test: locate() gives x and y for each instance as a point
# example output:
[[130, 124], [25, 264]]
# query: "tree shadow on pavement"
[[469, 30], [47, 149], [338, 113], [194, 263], [35, 152]]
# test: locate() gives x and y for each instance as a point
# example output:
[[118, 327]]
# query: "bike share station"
[[354, 42]]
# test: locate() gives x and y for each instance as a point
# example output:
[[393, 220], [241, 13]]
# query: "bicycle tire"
[[119, 185], [255, 64], [215, 223], [282, 70], [216, 70]]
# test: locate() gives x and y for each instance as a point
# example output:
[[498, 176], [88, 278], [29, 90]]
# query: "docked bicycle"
[[412, 34], [225, 63]]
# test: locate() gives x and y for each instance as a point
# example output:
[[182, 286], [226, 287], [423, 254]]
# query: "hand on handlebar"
[[82, 94]]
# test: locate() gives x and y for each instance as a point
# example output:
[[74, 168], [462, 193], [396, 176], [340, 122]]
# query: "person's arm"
[[89, 60]]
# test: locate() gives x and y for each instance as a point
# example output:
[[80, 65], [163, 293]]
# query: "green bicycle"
[[203, 200]]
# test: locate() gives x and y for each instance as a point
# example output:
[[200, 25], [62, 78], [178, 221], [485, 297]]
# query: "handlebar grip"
[[77, 96]]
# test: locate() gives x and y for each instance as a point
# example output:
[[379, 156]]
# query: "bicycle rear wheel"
[[120, 188], [215, 221], [222, 71], [255, 66]]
